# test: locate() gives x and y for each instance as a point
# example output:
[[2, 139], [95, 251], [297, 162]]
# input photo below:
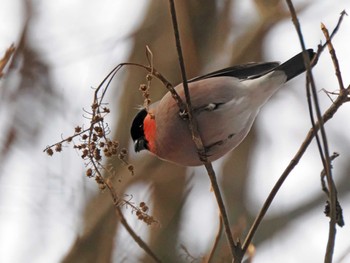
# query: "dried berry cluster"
[[141, 213], [94, 145]]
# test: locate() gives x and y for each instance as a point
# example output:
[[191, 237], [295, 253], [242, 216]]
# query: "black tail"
[[295, 66]]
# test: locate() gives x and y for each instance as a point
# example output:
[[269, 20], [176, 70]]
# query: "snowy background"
[[42, 198]]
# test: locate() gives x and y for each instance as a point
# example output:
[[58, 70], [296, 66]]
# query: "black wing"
[[292, 67], [249, 70]]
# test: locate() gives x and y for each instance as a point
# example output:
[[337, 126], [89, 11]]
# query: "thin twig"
[[342, 98], [116, 202], [134, 236], [335, 30], [310, 81], [324, 151], [151, 70], [138, 240], [333, 56], [6, 58], [236, 250], [216, 241], [333, 199], [193, 126]]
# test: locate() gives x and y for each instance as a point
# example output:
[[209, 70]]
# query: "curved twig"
[[216, 241]]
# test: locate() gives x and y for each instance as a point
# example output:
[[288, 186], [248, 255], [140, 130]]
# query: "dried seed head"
[[99, 179], [107, 153], [114, 151], [97, 154], [85, 153], [58, 147], [97, 129], [94, 106], [100, 182], [92, 146], [143, 87], [89, 172], [149, 220], [49, 151], [100, 134], [77, 129], [131, 168], [145, 208], [147, 102], [97, 118]]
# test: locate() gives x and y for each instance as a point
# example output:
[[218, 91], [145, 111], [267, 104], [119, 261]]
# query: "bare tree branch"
[[6, 58], [193, 126], [342, 98], [216, 241]]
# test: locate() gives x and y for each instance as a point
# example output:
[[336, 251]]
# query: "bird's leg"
[[218, 143], [203, 156], [207, 107]]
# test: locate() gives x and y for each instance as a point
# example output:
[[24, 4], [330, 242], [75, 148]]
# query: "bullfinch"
[[225, 104]]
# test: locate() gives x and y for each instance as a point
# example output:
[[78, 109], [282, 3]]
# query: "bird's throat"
[[149, 127]]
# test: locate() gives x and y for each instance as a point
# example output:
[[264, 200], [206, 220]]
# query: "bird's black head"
[[138, 133]]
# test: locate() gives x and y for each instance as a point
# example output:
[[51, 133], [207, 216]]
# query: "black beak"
[[140, 144]]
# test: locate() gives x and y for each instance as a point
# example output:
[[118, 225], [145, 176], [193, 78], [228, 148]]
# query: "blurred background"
[[51, 212]]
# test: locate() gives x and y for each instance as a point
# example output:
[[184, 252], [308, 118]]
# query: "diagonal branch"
[[323, 147], [6, 58], [216, 242], [342, 98], [138, 240]]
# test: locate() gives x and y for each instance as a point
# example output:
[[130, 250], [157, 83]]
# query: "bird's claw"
[[183, 114]]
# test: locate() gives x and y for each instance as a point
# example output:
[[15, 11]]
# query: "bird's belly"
[[221, 128], [219, 135], [226, 132]]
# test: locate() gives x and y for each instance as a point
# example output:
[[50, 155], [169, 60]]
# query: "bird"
[[225, 104]]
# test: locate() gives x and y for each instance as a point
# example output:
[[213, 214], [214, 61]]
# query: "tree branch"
[[193, 126], [216, 241], [342, 98]]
